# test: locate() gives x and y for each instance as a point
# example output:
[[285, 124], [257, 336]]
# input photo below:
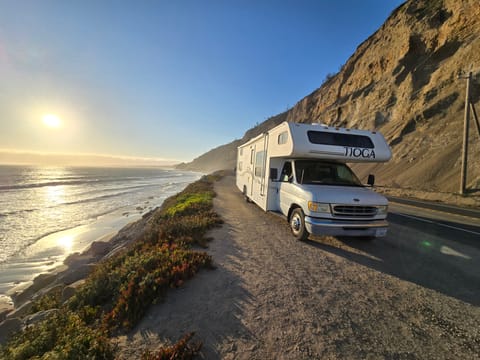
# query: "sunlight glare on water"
[[66, 243], [54, 195]]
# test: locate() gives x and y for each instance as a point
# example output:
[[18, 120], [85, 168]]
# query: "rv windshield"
[[324, 173]]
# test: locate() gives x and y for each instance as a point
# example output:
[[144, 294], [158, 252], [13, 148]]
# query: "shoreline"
[[58, 256], [69, 255]]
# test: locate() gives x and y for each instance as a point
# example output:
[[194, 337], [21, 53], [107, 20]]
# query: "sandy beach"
[[49, 253]]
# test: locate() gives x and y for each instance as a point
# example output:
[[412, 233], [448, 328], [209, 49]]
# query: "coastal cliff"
[[404, 82]]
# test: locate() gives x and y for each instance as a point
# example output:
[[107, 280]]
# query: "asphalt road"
[[444, 208], [435, 249]]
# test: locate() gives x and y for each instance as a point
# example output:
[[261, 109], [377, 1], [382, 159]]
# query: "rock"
[[77, 259], [4, 312], [26, 293], [8, 327], [39, 316], [76, 273], [6, 306], [99, 248], [43, 280], [21, 311], [48, 291], [67, 293], [17, 292], [70, 290]]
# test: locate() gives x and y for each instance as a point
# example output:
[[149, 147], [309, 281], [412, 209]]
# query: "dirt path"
[[272, 297]]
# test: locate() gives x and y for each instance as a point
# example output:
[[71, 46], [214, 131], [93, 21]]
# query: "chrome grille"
[[354, 211]]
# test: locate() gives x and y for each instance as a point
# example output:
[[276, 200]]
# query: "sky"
[[164, 79]]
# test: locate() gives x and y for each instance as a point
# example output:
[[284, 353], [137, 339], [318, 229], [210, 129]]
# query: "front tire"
[[297, 225]]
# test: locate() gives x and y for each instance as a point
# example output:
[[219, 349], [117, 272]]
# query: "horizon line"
[[27, 157]]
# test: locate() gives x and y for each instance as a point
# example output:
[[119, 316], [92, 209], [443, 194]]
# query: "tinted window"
[[282, 138], [339, 139], [324, 173]]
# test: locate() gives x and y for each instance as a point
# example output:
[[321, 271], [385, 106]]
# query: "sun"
[[51, 121]]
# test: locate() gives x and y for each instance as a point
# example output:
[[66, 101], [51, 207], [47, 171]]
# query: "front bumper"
[[317, 226]]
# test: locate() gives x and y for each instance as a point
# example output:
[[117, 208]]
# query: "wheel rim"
[[295, 223]]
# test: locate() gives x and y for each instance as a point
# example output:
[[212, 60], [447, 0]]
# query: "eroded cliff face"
[[403, 81]]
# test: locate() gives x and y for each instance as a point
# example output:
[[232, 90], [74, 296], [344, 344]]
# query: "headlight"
[[318, 207], [382, 209]]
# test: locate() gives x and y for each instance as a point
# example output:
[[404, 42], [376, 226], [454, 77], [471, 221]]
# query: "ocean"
[[47, 213]]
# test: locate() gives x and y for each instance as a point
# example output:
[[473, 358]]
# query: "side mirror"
[[371, 180], [273, 174]]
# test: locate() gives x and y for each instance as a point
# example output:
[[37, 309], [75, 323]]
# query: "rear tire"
[[297, 225]]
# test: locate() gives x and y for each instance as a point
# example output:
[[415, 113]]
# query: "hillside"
[[402, 81]]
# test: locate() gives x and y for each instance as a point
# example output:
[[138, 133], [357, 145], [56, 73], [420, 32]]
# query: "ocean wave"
[[77, 181], [109, 189], [48, 183], [128, 190], [16, 212]]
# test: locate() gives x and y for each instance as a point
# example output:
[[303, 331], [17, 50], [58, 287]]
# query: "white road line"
[[433, 222]]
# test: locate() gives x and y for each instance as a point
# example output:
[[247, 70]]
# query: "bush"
[[62, 335], [182, 350]]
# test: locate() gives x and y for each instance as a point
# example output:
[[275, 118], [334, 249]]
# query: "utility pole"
[[476, 118], [463, 178]]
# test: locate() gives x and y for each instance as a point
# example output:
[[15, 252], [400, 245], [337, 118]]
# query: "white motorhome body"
[[303, 167]]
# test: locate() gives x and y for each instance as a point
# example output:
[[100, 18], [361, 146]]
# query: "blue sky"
[[165, 79]]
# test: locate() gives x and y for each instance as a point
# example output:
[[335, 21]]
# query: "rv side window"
[[338, 139], [259, 163], [282, 138]]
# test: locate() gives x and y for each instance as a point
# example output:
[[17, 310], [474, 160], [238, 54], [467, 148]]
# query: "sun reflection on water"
[[66, 242], [55, 194]]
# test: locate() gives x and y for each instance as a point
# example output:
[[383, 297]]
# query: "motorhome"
[[300, 171]]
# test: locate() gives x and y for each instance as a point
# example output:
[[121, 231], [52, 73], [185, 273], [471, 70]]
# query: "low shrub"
[[182, 350], [53, 300], [62, 335]]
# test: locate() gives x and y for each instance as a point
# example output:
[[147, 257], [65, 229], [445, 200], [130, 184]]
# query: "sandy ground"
[[472, 200], [272, 297]]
